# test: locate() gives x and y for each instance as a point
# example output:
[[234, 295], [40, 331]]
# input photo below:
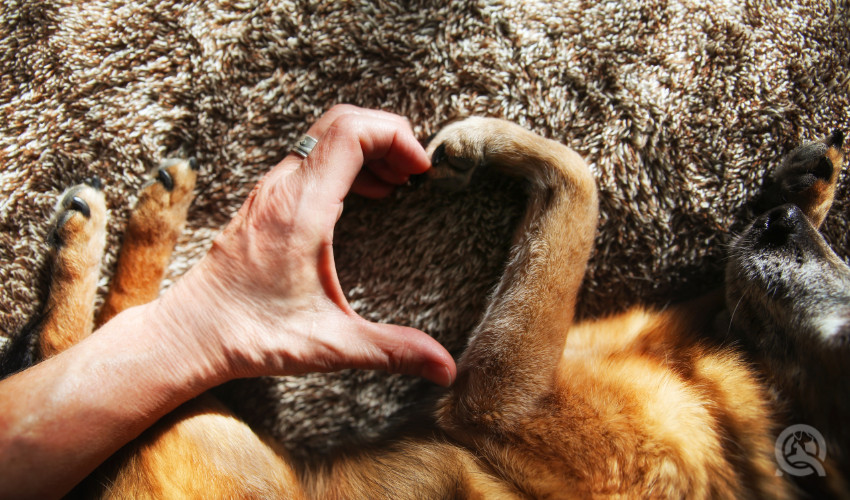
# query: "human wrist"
[[188, 321], [170, 363], [81, 405]]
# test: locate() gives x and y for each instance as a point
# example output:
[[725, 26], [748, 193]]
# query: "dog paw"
[[809, 164], [164, 200], [464, 147], [79, 216], [458, 150], [152, 231], [77, 236], [171, 186], [809, 174]]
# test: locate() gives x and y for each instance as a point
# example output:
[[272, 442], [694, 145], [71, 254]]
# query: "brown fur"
[[149, 239], [201, 450], [76, 259], [644, 404]]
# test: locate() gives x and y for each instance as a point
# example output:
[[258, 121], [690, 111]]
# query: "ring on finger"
[[304, 145]]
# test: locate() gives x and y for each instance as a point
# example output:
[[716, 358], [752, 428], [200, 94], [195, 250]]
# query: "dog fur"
[[643, 404]]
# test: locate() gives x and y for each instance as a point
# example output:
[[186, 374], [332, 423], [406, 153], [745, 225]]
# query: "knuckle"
[[398, 358], [342, 109], [346, 121]]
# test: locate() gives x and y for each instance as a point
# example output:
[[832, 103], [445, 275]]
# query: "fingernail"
[[437, 373]]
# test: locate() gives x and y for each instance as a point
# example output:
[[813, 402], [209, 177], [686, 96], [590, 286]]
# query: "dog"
[[789, 296], [647, 403]]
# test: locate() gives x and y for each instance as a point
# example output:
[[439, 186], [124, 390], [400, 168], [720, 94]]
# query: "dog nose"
[[781, 223]]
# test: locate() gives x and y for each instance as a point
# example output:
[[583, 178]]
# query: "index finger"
[[324, 122], [354, 140], [318, 129]]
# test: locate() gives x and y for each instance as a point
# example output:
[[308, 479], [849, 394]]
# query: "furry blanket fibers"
[[680, 108]]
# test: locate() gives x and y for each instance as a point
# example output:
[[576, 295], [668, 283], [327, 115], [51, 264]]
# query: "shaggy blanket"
[[679, 107]]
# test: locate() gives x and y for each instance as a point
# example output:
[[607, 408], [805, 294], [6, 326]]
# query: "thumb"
[[405, 350]]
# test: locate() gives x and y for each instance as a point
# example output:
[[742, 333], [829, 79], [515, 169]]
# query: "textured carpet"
[[679, 107]]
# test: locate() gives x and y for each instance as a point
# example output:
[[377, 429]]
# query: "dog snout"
[[781, 223]]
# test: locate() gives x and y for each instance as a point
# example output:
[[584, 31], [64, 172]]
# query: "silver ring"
[[304, 145]]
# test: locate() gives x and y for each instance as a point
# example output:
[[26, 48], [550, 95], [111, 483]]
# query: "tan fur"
[[149, 239], [411, 468], [198, 451], [76, 264], [675, 405], [633, 406]]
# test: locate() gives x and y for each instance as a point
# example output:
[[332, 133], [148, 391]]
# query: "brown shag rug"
[[680, 107]]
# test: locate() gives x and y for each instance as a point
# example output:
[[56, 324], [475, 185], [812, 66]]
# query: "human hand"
[[266, 299]]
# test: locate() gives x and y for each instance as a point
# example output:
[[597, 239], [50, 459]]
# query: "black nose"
[[781, 223]]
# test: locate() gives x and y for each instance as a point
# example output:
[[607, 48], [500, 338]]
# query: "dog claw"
[[455, 163], [81, 206], [836, 139], [94, 182], [165, 178], [417, 180], [193, 164], [439, 155]]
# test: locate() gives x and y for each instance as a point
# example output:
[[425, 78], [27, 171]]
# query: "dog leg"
[[77, 236], [201, 449], [149, 239], [512, 357], [808, 176]]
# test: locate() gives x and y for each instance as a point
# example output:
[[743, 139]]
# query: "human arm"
[[265, 300]]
